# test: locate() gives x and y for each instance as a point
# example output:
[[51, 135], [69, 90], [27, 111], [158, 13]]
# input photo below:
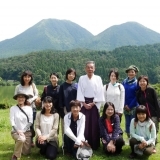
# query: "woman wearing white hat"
[[21, 117]]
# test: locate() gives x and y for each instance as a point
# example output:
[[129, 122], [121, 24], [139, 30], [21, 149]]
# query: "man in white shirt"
[[90, 94]]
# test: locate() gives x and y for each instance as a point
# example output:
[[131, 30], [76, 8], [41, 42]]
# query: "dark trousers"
[[147, 151], [48, 150], [69, 145], [91, 133], [118, 144], [34, 117]]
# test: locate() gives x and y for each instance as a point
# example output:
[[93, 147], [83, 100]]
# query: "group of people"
[[77, 106]]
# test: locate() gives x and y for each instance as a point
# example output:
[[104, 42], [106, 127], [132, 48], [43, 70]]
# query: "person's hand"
[[111, 147], [20, 132], [126, 108], [144, 143], [41, 139], [76, 146], [87, 106], [28, 103]]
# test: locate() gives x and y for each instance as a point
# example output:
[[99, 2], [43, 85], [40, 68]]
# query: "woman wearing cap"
[[21, 117], [29, 88], [46, 127], [131, 86]]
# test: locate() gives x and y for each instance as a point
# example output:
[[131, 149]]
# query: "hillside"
[[66, 35], [42, 63], [47, 34], [130, 33]]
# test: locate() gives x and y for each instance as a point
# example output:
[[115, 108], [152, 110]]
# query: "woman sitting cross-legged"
[[21, 117], [143, 133], [46, 128], [74, 125], [110, 131]]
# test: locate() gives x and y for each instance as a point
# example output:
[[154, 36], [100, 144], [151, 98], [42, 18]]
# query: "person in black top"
[[67, 93], [52, 90], [68, 90], [147, 96]]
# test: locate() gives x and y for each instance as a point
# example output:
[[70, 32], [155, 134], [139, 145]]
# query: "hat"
[[20, 93], [84, 152], [132, 67]]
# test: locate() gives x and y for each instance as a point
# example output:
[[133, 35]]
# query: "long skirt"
[[92, 134]]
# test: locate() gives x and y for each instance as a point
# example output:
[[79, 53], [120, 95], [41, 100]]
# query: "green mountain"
[[146, 58], [66, 35], [130, 33], [47, 34]]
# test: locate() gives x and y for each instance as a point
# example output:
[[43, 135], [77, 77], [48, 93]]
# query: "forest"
[[42, 63]]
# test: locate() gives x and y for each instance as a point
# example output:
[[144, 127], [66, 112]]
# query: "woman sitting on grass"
[[46, 128], [143, 133], [21, 117], [110, 131]]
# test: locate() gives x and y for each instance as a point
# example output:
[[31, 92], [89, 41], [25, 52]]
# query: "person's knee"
[[120, 142], [133, 141], [51, 155]]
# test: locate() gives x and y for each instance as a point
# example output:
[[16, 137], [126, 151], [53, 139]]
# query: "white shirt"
[[90, 88], [28, 90], [46, 124], [80, 128], [115, 94], [18, 118]]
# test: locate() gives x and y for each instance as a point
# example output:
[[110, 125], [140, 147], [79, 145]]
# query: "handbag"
[[37, 101], [31, 127]]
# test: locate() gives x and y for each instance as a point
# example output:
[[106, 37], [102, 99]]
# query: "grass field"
[[7, 145]]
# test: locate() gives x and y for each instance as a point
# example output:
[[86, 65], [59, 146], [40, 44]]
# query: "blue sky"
[[94, 15]]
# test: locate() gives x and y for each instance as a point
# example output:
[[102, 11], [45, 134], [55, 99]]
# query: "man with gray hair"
[[90, 94]]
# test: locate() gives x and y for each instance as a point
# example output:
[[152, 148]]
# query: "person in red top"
[[110, 131]]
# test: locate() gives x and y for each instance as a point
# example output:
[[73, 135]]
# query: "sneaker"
[[132, 155], [14, 157], [154, 151]]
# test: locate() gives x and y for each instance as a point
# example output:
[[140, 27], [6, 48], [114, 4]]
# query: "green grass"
[[7, 145]]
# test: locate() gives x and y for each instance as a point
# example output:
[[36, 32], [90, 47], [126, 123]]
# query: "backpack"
[[118, 87]]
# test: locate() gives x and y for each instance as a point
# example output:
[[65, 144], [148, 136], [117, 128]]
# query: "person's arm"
[[12, 119], [80, 136], [116, 128], [61, 101], [35, 93], [157, 107], [103, 133], [37, 124], [105, 93], [68, 131], [16, 89], [122, 99], [134, 102], [153, 135], [80, 92], [43, 94], [99, 96], [54, 127], [133, 132]]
